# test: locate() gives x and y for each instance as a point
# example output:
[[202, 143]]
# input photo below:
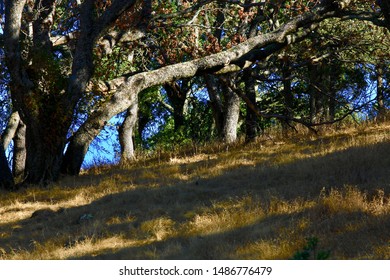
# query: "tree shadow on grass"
[[275, 237], [353, 234]]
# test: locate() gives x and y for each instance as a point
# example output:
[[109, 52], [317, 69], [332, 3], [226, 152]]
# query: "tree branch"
[[64, 39], [365, 16], [127, 92]]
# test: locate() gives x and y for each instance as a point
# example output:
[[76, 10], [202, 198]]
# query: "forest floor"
[[311, 196]]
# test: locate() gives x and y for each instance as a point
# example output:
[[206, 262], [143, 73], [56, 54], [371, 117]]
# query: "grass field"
[[327, 193]]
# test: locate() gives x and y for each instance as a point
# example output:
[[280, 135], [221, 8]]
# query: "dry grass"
[[256, 201]]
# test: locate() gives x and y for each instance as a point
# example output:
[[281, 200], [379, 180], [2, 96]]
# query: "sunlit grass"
[[255, 201]]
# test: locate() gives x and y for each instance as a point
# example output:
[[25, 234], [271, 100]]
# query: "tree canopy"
[[201, 67]]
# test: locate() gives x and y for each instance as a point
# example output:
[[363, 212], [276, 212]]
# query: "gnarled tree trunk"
[[43, 94]]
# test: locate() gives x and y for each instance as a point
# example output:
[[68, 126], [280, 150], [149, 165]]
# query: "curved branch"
[[126, 87]]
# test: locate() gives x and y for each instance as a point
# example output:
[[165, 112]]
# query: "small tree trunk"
[[251, 117], [317, 110], [216, 103], [177, 98], [232, 113], [380, 97], [6, 179], [332, 105], [287, 96], [126, 133]]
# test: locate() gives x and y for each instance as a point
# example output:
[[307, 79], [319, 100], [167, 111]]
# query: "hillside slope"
[[267, 200]]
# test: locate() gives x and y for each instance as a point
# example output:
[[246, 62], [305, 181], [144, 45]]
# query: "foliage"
[[74, 60], [310, 251], [197, 128]]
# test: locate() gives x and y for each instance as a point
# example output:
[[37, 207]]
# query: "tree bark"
[[20, 154], [226, 113], [232, 113], [126, 131], [10, 130], [16, 131], [79, 143]]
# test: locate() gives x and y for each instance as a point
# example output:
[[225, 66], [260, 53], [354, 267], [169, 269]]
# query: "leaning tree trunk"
[[78, 147], [126, 131], [11, 129], [79, 143]]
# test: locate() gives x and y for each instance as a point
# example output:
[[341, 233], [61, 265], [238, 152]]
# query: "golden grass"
[[255, 201]]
